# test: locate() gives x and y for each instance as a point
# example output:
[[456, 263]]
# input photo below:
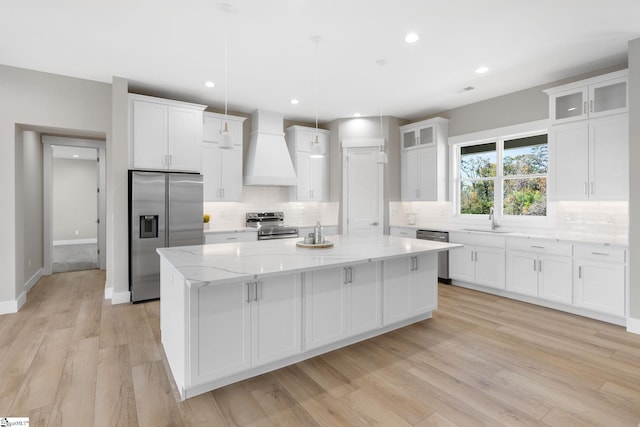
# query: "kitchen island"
[[232, 311]]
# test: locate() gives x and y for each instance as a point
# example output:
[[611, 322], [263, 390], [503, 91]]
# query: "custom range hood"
[[268, 161]]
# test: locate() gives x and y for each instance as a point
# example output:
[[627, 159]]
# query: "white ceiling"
[[170, 47]]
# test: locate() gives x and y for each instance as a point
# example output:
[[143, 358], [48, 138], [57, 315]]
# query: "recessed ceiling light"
[[294, 101], [411, 38], [209, 83], [75, 156], [482, 70], [356, 114]]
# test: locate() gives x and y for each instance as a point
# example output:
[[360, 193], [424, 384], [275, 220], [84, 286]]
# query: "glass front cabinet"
[[598, 96]]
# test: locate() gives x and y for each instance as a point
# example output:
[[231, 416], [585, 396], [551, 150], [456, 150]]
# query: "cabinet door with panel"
[[275, 318], [600, 279], [556, 278], [363, 298], [462, 263], [313, 173], [588, 159], [222, 316], [481, 261], [325, 306], [522, 272], [490, 267], [409, 287], [165, 134]]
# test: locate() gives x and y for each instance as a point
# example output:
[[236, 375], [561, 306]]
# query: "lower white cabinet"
[[256, 322], [340, 302], [403, 232], [408, 287], [540, 268], [481, 261], [230, 237], [600, 278]]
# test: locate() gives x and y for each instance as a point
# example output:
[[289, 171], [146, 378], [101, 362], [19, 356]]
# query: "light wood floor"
[[70, 358]]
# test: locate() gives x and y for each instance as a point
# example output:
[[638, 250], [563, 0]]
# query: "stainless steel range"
[[270, 225]]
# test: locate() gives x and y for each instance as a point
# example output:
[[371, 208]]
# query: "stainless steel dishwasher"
[[443, 257]]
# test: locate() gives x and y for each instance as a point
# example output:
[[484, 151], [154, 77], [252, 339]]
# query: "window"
[[510, 172]]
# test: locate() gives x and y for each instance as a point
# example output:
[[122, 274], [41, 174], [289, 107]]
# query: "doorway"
[[363, 185], [74, 204]]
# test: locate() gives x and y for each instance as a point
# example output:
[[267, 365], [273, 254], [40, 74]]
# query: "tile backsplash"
[[230, 215]]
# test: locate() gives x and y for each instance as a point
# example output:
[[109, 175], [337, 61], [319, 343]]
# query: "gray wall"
[[33, 205], [634, 177], [75, 201], [518, 107], [38, 101]]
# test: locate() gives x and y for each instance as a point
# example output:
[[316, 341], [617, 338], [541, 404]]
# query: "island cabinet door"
[[424, 283], [276, 319], [325, 303], [397, 292], [364, 311], [220, 328]]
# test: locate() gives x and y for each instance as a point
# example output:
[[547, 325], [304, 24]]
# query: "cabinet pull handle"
[[537, 247], [534, 265], [248, 292], [471, 255], [476, 252], [579, 272], [539, 265], [232, 238], [584, 107], [591, 106], [600, 253]]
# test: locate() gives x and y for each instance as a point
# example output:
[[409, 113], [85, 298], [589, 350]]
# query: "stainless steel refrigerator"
[[165, 210]]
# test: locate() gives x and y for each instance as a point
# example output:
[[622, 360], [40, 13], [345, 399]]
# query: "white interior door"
[[363, 196]]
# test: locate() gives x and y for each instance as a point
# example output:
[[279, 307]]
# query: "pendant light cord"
[[317, 39], [226, 37]]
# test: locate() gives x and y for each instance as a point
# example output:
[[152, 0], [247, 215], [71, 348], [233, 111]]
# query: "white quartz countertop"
[[204, 265], [571, 236]]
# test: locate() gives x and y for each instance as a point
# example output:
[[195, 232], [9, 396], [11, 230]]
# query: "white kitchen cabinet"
[[591, 98], [312, 173], [403, 232], [589, 159], [165, 134], [600, 278], [424, 160], [341, 302], [222, 167], [540, 268], [408, 289], [258, 322], [481, 261], [230, 237]]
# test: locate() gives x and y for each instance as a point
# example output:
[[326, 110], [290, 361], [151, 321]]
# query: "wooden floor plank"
[[481, 360]]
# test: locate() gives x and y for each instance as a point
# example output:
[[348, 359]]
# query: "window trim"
[[497, 135]]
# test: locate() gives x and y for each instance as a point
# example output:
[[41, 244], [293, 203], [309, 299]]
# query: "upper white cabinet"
[[424, 160], [313, 173], [589, 159], [221, 167], [598, 96], [165, 134]]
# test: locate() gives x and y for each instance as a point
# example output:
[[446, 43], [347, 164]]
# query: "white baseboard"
[[33, 280], [120, 297], [8, 307], [633, 325], [74, 242], [108, 292]]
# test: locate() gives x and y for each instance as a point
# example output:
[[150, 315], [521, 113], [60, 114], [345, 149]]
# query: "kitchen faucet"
[[492, 218]]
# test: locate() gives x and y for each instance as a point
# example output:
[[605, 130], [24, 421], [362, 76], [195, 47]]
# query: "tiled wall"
[[230, 215], [603, 217]]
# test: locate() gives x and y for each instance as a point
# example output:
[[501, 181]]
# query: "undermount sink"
[[481, 230]]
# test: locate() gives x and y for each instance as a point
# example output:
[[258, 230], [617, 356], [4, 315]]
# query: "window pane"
[[478, 161], [476, 197], [525, 156], [525, 197]]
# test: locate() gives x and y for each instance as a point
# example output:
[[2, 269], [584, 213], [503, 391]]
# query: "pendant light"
[[316, 148], [226, 141], [381, 156]]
